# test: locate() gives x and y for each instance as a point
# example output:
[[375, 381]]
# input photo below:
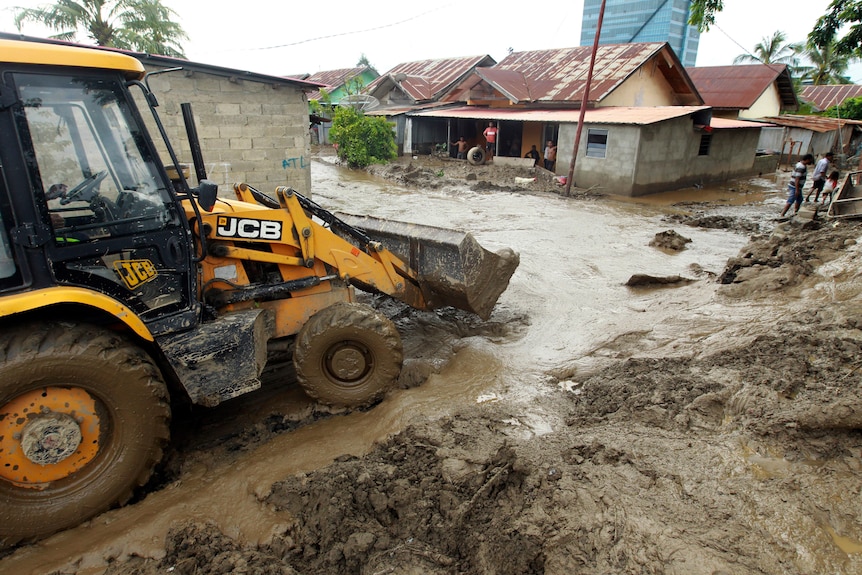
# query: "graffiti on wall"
[[294, 163]]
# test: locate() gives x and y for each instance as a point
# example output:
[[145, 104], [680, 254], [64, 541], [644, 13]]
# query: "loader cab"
[[84, 199]]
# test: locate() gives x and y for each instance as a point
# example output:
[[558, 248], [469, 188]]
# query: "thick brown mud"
[[704, 427]]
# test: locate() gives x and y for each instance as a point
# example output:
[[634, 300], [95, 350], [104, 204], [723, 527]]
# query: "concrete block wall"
[[657, 157], [612, 174], [250, 131]]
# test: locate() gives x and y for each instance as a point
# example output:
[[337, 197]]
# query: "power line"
[[744, 49], [340, 34]]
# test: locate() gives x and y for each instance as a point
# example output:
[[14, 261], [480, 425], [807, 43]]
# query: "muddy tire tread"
[[363, 319], [89, 343]]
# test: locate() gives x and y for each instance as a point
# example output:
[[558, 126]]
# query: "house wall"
[[771, 139], [822, 142], [658, 157], [796, 144], [767, 105], [669, 156], [365, 77], [612, 174], [646, 87], [249, 131]]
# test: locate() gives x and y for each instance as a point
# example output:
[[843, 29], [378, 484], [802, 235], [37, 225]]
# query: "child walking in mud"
[[830, 186]]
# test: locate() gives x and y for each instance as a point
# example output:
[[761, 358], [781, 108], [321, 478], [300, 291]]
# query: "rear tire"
[[84, 415], [348, 355]]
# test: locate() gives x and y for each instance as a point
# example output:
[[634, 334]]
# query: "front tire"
[[84, 415], [348, 355]]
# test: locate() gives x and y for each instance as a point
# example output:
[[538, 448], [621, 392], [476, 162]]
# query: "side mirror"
[[207, 193]]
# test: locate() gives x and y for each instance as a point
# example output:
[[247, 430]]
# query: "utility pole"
[[585, 99]]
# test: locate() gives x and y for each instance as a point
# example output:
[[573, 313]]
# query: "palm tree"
[[828, 67], [772, 50], [142, 25]]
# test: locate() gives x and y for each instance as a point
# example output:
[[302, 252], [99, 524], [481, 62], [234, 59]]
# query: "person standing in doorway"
[[797, 182], [490, 134], [550, 155], [818, 176], [533, 153]]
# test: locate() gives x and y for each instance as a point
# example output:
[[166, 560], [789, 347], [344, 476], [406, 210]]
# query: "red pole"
[[585, 100]]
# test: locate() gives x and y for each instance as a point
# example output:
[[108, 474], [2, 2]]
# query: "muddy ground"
[[733, 450]]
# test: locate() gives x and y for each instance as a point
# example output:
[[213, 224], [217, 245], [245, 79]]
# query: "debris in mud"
[[716, 222], [436, 172], [416, 504], [645, 280], [196, 548], [669, 240], [785, 259]]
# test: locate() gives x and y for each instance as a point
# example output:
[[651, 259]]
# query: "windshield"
[[97, 177]]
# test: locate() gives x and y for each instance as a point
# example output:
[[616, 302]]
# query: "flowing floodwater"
[[567, 306], [576, 256]]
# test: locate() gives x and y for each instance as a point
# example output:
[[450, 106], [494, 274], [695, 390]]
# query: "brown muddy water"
[[567, 308]]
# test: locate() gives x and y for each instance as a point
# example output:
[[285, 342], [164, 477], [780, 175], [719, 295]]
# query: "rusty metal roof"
[[813, 123], [823, 97], [739, 87], [428, 79], [558, 76], [609, 115], [333, 79]]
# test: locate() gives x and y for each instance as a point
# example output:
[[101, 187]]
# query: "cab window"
[[93, 172]]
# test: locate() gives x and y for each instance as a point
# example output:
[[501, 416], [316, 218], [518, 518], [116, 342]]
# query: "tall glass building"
[[629, 21]]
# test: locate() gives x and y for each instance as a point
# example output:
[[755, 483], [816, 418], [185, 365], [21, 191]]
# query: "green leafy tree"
[[773, 50], [703, 13], [354, 85], [141, 25], [362, 140], [364, 63], [850, 109], [827, 66], [840, 13]]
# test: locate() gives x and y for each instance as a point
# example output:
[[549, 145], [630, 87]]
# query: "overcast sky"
[[289, 37]]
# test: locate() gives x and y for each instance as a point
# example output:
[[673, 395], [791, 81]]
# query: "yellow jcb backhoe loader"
[[121, 288]]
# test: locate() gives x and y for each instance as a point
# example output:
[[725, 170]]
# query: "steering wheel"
[[88, 185]]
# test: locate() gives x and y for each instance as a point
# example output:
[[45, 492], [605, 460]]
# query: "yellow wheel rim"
[[46, 435]]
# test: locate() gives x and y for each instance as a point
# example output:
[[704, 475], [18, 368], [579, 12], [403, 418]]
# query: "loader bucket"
[[453, 269]]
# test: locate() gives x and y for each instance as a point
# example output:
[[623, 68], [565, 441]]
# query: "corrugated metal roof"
[[823, 97], [813, 123], [739, 87], [609, 115], [725, 124], [428, 79], [560, 75], [333, 79]]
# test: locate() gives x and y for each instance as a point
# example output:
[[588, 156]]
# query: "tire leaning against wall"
[[476, 156]]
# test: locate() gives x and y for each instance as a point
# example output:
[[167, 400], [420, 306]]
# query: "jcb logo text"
[[248, 229], [135, 272]]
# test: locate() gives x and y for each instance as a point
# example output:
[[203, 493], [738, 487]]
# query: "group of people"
[[821, 183], [490, 135], [550, 155]]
